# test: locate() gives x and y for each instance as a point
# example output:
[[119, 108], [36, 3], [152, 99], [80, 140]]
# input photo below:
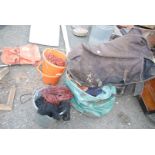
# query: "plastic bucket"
[[48, 67], [49, 79], [100, 34]]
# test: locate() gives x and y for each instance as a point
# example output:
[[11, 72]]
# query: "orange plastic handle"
[[38, 69]]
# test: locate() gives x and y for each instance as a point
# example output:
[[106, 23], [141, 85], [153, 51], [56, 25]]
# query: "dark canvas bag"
[[120, 62]]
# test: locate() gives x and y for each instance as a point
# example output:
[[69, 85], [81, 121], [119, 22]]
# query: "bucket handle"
[[38, 69]]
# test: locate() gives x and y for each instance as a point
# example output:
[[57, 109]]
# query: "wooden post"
[[9, 105]]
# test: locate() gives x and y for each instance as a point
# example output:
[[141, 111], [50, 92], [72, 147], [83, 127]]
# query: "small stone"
[[80, 32]]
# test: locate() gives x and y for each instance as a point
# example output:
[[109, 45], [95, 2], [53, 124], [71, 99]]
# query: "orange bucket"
[[48, 67], [49, 79]]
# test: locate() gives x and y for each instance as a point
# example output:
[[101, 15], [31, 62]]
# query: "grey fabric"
[[120, 61], [138, 88]]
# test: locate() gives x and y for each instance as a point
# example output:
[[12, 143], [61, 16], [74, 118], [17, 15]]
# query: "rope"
[[56, 94]]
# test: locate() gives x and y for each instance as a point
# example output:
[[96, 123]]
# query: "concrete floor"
[[126, 113]]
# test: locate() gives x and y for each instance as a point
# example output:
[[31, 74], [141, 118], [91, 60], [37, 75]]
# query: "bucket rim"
[[59, 51], [33, 101]]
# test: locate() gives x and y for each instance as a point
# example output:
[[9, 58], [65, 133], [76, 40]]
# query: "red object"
[[55, 60], [27, 54], [50, 68], [56, 94]]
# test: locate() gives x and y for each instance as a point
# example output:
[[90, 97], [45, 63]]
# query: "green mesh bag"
[[90, 105]]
